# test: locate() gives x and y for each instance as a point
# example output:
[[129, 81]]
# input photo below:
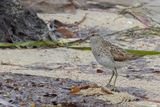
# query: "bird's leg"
[[116, 75], [113, 73]]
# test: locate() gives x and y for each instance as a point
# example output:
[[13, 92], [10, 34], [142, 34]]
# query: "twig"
[[129, 11], [155, 101], [78, 41], [82, 20], [91, 31], [75, 3], [134, 29], [154, 20]]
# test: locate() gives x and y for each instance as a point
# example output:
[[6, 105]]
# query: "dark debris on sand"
[[24, 90]]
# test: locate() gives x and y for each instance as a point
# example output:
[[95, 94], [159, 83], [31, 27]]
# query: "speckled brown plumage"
[[118, 53]]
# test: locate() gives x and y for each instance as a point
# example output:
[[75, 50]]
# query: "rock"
[[18, 23]]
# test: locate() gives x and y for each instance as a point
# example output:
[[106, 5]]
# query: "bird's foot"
[[111, 87]]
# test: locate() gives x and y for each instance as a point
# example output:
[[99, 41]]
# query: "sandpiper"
[[109, 55]]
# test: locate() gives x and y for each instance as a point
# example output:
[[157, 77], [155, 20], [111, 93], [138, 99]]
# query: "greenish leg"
[[116, 75], [113, 73]]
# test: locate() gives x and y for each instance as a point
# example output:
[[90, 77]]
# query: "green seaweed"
[[137, 52], [32, 43], [143, 52], [68, 45], [80, 48]]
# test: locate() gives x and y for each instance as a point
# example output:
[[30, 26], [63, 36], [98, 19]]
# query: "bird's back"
[[117, 53]]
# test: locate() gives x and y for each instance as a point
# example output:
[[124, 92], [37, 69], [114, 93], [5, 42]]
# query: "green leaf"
[[69, 44], [80, 48], [137, 52], [143, 52], [32, 43]]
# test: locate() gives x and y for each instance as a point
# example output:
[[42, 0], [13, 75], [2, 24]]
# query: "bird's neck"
[[96, 40]]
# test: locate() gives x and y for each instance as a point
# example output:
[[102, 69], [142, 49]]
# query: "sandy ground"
[[78, 65], [95, 18], [81, 65]]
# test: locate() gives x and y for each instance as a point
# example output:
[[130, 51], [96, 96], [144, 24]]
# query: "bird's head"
[[94, 34], [95, 38]]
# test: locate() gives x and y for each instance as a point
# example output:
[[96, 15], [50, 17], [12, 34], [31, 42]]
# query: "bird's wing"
[[120, 54]]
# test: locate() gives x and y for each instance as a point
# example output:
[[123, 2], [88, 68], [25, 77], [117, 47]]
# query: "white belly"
[[105, 61], [108, 62], [102, 55]]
